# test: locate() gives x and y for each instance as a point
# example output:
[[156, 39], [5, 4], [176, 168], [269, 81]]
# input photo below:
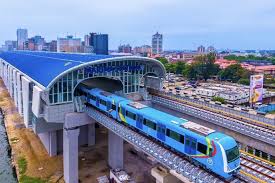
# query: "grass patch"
[[27, 179], [22, 165]]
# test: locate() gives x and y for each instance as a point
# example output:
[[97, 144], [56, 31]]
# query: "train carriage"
[[212, 150]]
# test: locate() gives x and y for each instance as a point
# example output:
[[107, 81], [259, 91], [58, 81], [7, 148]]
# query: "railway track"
[[226, 114], [257, 132], [257, 169]]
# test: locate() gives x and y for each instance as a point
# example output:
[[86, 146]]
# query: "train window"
[[131, 115], [202, 148], [93, 97], [232, 154], [175, 135], [113, 107], [102, 102], [150, 124]]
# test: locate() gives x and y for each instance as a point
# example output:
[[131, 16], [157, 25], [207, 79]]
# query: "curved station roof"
[[44, 67]]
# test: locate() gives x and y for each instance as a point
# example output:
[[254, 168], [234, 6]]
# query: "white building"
[[22, 37], [157, 41]]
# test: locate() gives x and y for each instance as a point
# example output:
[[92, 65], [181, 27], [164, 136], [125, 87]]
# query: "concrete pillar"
[[14, 80], [49, 140], [70, 155], [19, 94], [115, 150], [26, 100], [11, 82], [53, 143], [91, 134]]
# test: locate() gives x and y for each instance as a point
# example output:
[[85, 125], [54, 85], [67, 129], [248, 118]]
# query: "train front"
[[230, 155]]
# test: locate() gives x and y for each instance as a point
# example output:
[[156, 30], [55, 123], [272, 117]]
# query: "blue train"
[[212, 150]]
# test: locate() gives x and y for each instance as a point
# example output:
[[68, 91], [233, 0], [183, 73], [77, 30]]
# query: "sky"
[[185, 24]]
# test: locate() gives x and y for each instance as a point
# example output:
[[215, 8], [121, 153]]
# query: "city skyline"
[[185, 24]]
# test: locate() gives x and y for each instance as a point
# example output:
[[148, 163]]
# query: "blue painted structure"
[[214, 151], [267, 108], [48, 65]]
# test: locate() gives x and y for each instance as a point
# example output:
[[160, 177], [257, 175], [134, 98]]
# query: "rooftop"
[[43, 67]]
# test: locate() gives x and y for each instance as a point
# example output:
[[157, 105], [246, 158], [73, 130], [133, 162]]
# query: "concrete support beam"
[[26, 100], [14, 79], [91, 134], [70, 155], [49, 140], [36, 101], [115, 150], [19, 94]]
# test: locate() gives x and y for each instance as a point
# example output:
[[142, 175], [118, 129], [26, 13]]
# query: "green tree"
[[191, 72], [234, 73], [206, 66], [170, 67], [163, 60], [179, 67], [244, 81]]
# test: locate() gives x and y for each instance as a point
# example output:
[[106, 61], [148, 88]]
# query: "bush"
[[219, 99]]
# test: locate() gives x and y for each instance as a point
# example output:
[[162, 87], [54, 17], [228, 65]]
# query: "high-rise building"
[[201, 49], [99, 42], [157, 41], [22, 37], [125, 48], [68, 44], [87, 40], [211, 49]]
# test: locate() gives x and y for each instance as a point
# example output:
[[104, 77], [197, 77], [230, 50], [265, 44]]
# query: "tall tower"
[[22, 37], [157, 41]]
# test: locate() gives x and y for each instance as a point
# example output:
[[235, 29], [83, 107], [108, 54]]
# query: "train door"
[[109, 106], [190, 145], [161, 131], [139, 121], [97, 101]]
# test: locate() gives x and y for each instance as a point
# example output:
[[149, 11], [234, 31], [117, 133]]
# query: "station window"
[[149, 123], [264, 155], [102, 102], [131, 115], [202, 148], [257, 153], [272, 159], [249, 149]]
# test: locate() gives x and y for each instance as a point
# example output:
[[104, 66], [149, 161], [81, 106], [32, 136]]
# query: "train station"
[[45, 89], [43, 85]]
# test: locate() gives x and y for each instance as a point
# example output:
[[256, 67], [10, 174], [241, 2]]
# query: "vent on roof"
[[137, 105], [197, 128]]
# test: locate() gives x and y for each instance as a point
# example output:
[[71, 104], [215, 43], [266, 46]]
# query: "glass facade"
[[62, 90]]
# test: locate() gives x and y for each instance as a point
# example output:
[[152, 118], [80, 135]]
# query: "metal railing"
[[262, 134], [162, 155], [225, 109]]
